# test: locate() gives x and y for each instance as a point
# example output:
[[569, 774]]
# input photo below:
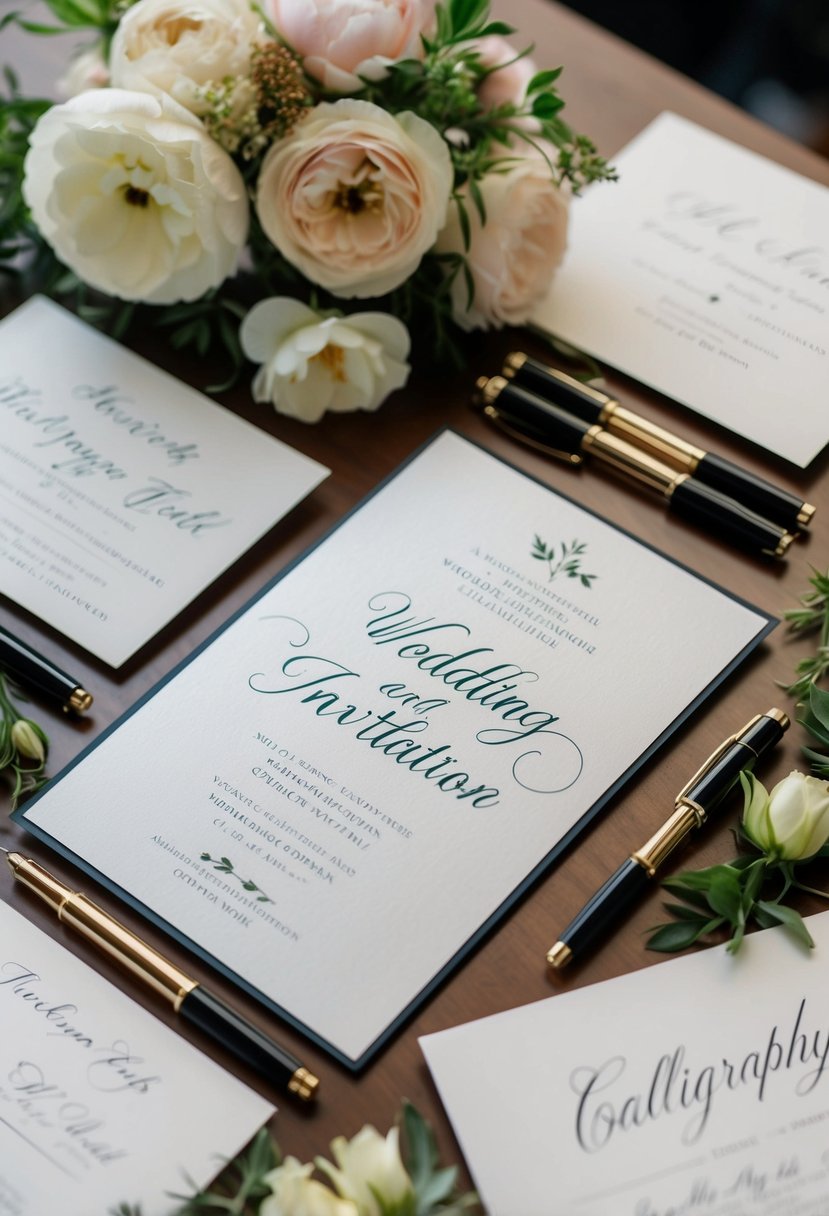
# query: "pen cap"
[[700, 504], [711, 785], [755, 493], [537, 420], [556, 386]]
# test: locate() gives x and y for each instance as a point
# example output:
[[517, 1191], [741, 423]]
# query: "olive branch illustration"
[[225, 866], [564, 559]]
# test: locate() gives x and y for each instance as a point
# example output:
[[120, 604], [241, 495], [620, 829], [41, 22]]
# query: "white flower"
[[174, 46], [88, 70], [354, 196], [311, 364], [341, 41], [369, 1166], [514, 255], [294, 1193], [791, 822], [134, 196]]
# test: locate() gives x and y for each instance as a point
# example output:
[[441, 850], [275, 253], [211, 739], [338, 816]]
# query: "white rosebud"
[[312, 363], [790, 823], [295, 1193], [87, 70], [370, 1167], [135, 197], [175, 46], [28, 740], [354, 196]]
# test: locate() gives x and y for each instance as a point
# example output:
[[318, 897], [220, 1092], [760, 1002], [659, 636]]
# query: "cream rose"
[[175, 46], [513, 256], [354, 196], [311, 364], [135, 197], [792, 821], [341, 41]]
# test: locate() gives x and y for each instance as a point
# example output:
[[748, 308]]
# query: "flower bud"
[[29, 740], [791, 822], [370, 1171]]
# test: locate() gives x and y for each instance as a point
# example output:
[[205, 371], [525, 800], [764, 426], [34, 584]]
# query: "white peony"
[[176, 46], [134, 196], [354, 196], [311, 364], [514, 255]]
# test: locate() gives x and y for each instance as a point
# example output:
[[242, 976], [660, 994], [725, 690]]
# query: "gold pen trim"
[[79, 701], [514, 433], [651, 438]]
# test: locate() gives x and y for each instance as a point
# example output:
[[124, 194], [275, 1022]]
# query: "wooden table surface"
[[612, 92]]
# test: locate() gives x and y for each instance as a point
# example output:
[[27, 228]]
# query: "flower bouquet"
[[281, 166]]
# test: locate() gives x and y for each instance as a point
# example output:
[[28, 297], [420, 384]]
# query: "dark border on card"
[[563, 843]]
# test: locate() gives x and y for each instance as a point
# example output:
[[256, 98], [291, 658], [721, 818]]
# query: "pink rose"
[[342, 40], [512, 258], [354, 196], [508, 83]]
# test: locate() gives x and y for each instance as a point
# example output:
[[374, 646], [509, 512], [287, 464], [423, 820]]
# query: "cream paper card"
[[699, 1085], [100, 1103], [340, 793], [123, 492], [704, 273]]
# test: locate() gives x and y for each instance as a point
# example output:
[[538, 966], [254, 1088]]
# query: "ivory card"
[[337, 796], [704, 273], [699, 1085], [123, 492], [101, 1103]]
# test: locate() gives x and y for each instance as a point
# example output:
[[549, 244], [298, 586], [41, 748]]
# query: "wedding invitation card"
[[340, 793], [704, 273], [698, 1085], [123, 493], [100, 1103]]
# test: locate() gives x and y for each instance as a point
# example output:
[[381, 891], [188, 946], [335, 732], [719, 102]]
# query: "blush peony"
[[343, 40], [354, 196], [513, 257], [135, 197]]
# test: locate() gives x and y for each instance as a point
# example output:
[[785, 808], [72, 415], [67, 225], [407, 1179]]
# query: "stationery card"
[[100, 1103], [123, 492], [699, 1085], [704, 273], [338, 795]]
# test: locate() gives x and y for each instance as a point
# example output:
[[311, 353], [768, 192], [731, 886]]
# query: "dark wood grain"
[[613, 91]]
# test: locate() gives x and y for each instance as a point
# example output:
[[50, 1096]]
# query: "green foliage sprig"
[[563, 559], [23, 747], [812, 615]]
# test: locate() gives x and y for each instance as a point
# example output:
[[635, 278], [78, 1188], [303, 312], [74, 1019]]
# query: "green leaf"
[[725, 896], [788, 917], [669, 938], [819, 705], [542, 80]]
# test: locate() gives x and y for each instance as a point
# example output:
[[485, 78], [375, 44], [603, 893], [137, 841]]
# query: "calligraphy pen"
[[542, 424], [188, 998], [594, 406], [35, 671], [703, 793]]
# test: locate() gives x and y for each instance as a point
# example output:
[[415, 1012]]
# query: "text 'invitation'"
[[704, 273], [696, 1085], [338, 794], [123, 492], [100, 1103]]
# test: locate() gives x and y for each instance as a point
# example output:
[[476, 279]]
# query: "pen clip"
[[515, 432], [706, 766]]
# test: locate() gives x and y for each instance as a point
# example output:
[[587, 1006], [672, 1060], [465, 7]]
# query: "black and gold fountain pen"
[[594, 406], [541, 424], [188, 998], [701, 795]]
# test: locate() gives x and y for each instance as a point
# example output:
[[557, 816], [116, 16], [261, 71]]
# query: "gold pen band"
[[650, 437], [79, 701], [81, 914]]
